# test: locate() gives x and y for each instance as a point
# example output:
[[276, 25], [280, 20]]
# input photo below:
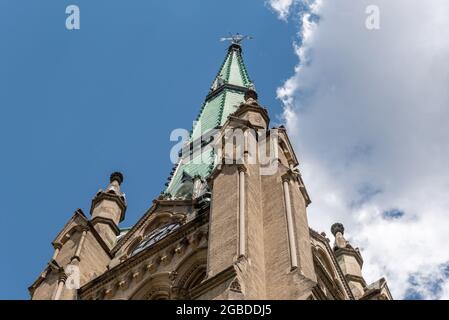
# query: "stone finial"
[[338, 231], [250, 94], [337, 227], [114, 194], [116, 176]]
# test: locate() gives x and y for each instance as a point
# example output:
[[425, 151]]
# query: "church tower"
[[230, 224]]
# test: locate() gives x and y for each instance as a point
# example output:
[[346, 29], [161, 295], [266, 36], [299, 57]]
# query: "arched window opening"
[[154, 237], [196, 278]]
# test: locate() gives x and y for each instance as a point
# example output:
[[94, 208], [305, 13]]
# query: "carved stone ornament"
[[235, 286], [337, 227]]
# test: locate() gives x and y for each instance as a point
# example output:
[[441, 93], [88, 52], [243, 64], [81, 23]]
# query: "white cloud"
[[282, 7], [368, 112], [445, 291]]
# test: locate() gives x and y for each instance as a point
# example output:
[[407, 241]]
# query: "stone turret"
[[350, 261], [108, 210]]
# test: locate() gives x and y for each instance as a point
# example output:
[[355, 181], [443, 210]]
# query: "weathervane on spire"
[[236, 38]]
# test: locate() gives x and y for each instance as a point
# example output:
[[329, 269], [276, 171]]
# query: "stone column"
[[57, 249], [60, 287], [290, 227], [80, 246], [242, 215]]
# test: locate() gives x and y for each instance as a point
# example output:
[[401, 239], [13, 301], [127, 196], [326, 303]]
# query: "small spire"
[[116, 176], [338, 231], [337, 227], [115, 180], [250, 95], [111, 193]]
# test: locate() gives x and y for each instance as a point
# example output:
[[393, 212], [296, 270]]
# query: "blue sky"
[[77, 105]]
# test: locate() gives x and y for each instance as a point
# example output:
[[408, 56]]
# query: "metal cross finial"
[[236, 38]]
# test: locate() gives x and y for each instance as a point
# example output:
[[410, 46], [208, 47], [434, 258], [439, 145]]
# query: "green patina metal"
[[226, 94]]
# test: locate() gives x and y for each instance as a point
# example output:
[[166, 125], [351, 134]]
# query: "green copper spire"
[[233, 70], [226, 94]]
